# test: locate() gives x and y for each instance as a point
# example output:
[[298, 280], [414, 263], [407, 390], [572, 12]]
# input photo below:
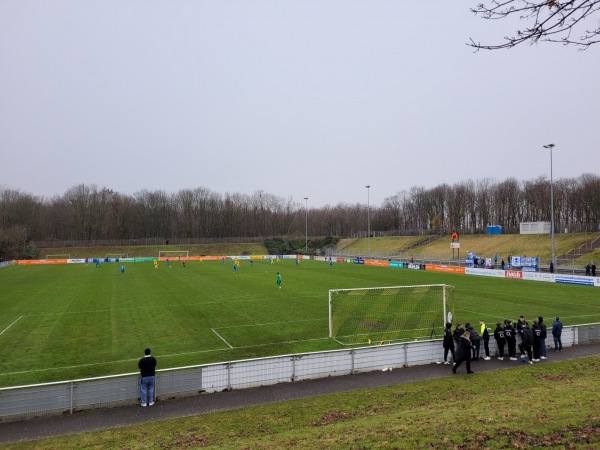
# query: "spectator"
[[463, 352], [511, 339], [500, 340], [147, 366], [544, 335], [527, 343], [557, 327], [448, 343], [485, 334], [458, 331], [475, 340], [537, 337]]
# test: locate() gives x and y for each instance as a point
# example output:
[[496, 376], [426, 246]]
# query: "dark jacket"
[[557, 327], [537, 334], [147, 366], [509, 333], [448, 338], [463, 352], [474, 334], [527, 336], [458, 332], [499, 334], [543, 327]]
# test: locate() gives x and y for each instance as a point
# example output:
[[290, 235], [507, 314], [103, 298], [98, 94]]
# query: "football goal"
[[389, 314], [173, 254], [59, 256]]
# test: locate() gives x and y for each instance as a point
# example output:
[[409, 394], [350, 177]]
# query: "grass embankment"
[[483, 245], [553, 405]]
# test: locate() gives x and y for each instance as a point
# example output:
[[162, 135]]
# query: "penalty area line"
[[1, 333], [221, 337]]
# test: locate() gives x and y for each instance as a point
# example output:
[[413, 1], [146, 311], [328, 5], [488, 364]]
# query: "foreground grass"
[[550, 405]]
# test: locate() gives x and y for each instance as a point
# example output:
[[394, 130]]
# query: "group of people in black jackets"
[[464, 343]]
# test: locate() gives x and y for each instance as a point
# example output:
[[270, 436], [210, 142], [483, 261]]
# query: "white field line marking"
[[10, 325], [221, 337]]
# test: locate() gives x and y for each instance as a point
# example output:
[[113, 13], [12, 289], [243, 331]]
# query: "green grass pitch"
[[77, 321]]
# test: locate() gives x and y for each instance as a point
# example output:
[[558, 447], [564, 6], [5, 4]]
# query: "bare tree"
[[567, 22]]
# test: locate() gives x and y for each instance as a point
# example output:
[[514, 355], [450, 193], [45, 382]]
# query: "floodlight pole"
[[306, 220], [368, 222], [551, 146]]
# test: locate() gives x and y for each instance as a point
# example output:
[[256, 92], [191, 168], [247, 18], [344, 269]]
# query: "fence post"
[[71, 399]]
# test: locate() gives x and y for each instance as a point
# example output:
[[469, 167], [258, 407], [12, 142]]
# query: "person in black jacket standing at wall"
[[448, 343], [147, 366], [475, 340], [543, 348], [500, 340], [458, 331], [511, 339], [527, 342], [463, 352], [537, 338]]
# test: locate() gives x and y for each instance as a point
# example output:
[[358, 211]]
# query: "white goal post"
[[389, 314]]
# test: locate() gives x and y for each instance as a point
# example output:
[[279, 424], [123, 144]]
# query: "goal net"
[[172, 254], [389, 314]]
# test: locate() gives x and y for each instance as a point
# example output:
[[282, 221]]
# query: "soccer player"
[[155, 262], [234, 268], [251, 263], [330, 262], [183, 263], [122, 270], [279, 280], [297, 262], [97, 262], [168, 262]]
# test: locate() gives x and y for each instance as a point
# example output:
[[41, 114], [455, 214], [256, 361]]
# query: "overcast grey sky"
[[299, 99]]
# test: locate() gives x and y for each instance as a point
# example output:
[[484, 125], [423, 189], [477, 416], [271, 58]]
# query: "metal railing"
[[22, 402]]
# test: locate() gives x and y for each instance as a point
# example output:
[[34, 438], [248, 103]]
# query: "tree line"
[[89, 213]]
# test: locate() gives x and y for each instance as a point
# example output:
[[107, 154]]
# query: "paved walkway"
[[206, 403]]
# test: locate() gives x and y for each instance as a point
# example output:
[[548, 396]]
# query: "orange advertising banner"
[[376, 262], [25, 262], [446, 269]]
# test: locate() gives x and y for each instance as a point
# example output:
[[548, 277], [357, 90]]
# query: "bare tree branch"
[[544, 20]]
